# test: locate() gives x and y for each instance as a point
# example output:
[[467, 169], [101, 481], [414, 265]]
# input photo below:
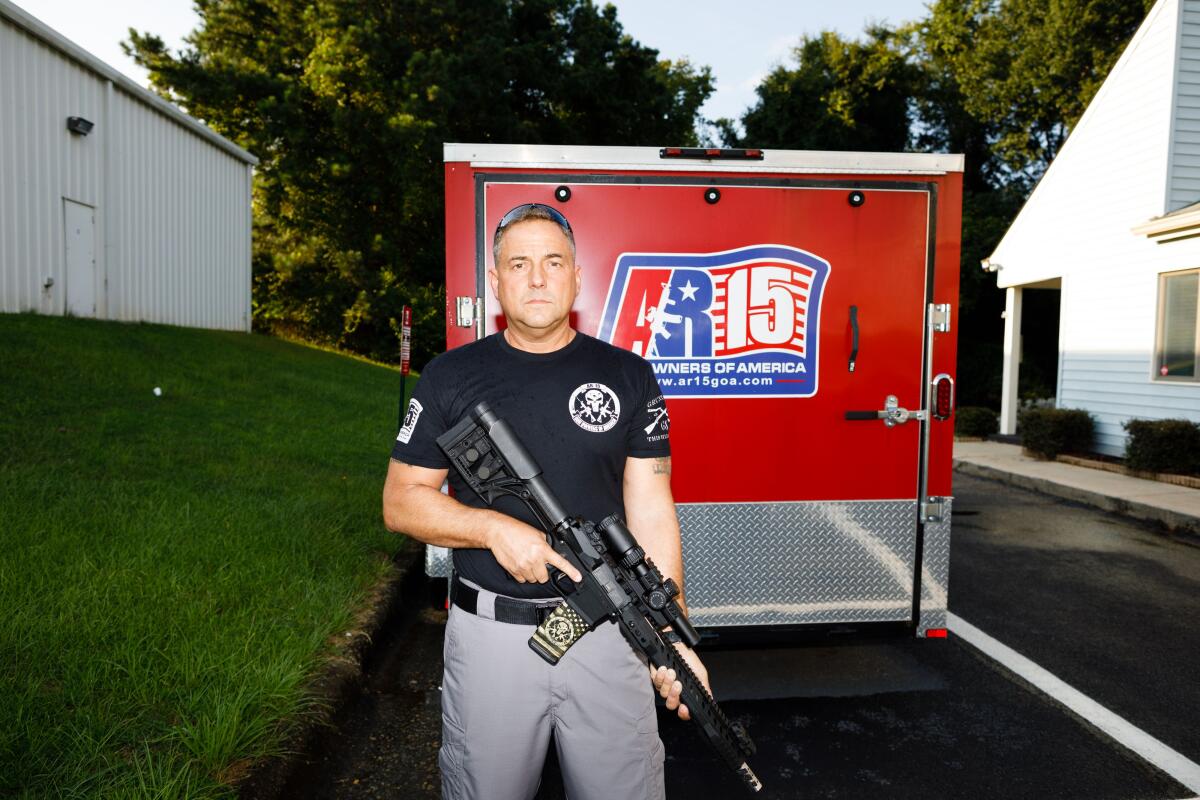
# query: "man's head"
[[535, 276], [527, 211]]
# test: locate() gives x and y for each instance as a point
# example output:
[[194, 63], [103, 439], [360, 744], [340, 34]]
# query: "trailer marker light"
[[856, 198], [712, 196], [724, 153], [943, 390], [562, 194], [935, 633]]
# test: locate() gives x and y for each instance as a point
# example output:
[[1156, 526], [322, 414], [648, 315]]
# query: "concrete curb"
[[336, 684], [1173, 520]]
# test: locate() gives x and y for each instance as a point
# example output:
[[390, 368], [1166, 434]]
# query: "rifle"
[[619, 582]]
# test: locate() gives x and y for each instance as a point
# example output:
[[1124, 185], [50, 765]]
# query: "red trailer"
[[796, 307]]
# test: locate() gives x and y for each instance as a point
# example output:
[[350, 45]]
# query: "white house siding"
[[171, 199], [1110, 176], [1184, 186]]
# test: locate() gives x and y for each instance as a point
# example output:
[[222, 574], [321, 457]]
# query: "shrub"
[[976, 421], [1046, 432], [1163, 445]]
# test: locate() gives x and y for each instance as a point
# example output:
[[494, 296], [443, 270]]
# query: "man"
[[584, 409]]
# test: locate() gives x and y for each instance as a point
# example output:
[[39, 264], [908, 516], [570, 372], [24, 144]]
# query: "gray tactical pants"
[[500, 701]]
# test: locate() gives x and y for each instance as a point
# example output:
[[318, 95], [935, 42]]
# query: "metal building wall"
[[40, 163], [179, 226], [171, 200]]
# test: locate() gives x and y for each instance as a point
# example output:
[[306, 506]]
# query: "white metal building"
[[113, 203], [1113, 226]]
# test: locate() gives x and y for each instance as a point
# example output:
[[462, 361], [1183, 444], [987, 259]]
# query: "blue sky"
[[742, 41]]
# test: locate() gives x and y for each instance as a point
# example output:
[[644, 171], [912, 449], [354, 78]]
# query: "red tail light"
[[943, 396], [936, 633]]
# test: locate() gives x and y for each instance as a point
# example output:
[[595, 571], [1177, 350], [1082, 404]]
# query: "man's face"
[[535, 278]]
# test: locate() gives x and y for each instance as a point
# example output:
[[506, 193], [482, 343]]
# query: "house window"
[[1178, 349]]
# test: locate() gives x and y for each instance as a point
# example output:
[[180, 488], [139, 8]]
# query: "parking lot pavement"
[[927, 719], [951, 724], [1106, 605]]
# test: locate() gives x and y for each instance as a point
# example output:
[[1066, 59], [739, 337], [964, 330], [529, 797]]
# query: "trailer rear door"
[[769, 308]]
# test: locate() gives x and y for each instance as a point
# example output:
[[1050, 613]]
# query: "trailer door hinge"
[[933, 509], [467, 309], [939, 317]]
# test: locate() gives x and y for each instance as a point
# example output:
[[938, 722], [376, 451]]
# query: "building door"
[[80, 232]]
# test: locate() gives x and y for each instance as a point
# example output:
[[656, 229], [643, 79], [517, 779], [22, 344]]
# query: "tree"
[[841, 94], [1001, 81], [1037, 66], [1004, 83], [347, 102], [941, 47]]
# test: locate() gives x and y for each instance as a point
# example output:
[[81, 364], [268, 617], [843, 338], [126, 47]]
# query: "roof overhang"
[[1181, 224]]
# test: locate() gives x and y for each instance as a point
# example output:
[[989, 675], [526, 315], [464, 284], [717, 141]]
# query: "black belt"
[[508, 609]]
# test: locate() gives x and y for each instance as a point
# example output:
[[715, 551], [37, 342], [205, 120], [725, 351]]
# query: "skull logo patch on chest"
[[595, 407]]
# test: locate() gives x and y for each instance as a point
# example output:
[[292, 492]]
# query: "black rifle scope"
[[657, 593]]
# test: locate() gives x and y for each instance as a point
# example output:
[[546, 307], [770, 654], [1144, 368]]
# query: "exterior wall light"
[[80, 125]]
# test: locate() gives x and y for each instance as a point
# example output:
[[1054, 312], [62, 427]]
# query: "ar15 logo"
[[739, 323]]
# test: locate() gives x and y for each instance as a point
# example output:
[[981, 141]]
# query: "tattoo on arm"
[[662, 466]]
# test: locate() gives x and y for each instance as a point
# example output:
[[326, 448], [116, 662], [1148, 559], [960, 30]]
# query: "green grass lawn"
[[172, 567]]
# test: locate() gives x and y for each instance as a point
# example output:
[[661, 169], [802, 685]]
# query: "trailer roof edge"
[[541, 156]]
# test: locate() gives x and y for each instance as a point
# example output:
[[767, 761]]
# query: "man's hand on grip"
[[524, 552]]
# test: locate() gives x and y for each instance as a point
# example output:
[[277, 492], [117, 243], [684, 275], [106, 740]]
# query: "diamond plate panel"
[[799, 563], [935, 572], [438, 562], [855, 564]]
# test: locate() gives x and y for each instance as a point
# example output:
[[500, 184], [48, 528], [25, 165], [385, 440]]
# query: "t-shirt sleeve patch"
[[650, 428], [410, 421], [424, 421], [657, 421]]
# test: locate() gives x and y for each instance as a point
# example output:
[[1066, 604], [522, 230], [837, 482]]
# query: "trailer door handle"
[[892, 414], [853, 339]]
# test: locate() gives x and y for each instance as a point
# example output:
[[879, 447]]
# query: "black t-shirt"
[[580, 411]]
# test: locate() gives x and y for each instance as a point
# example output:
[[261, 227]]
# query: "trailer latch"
[[933, 509], [466, 311], [892, 414]]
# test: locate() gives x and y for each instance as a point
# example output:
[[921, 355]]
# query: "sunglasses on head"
[[552, 212]]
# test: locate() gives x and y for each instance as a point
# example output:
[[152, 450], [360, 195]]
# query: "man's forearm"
[[650, 514], [432, 517], [657, 531]]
